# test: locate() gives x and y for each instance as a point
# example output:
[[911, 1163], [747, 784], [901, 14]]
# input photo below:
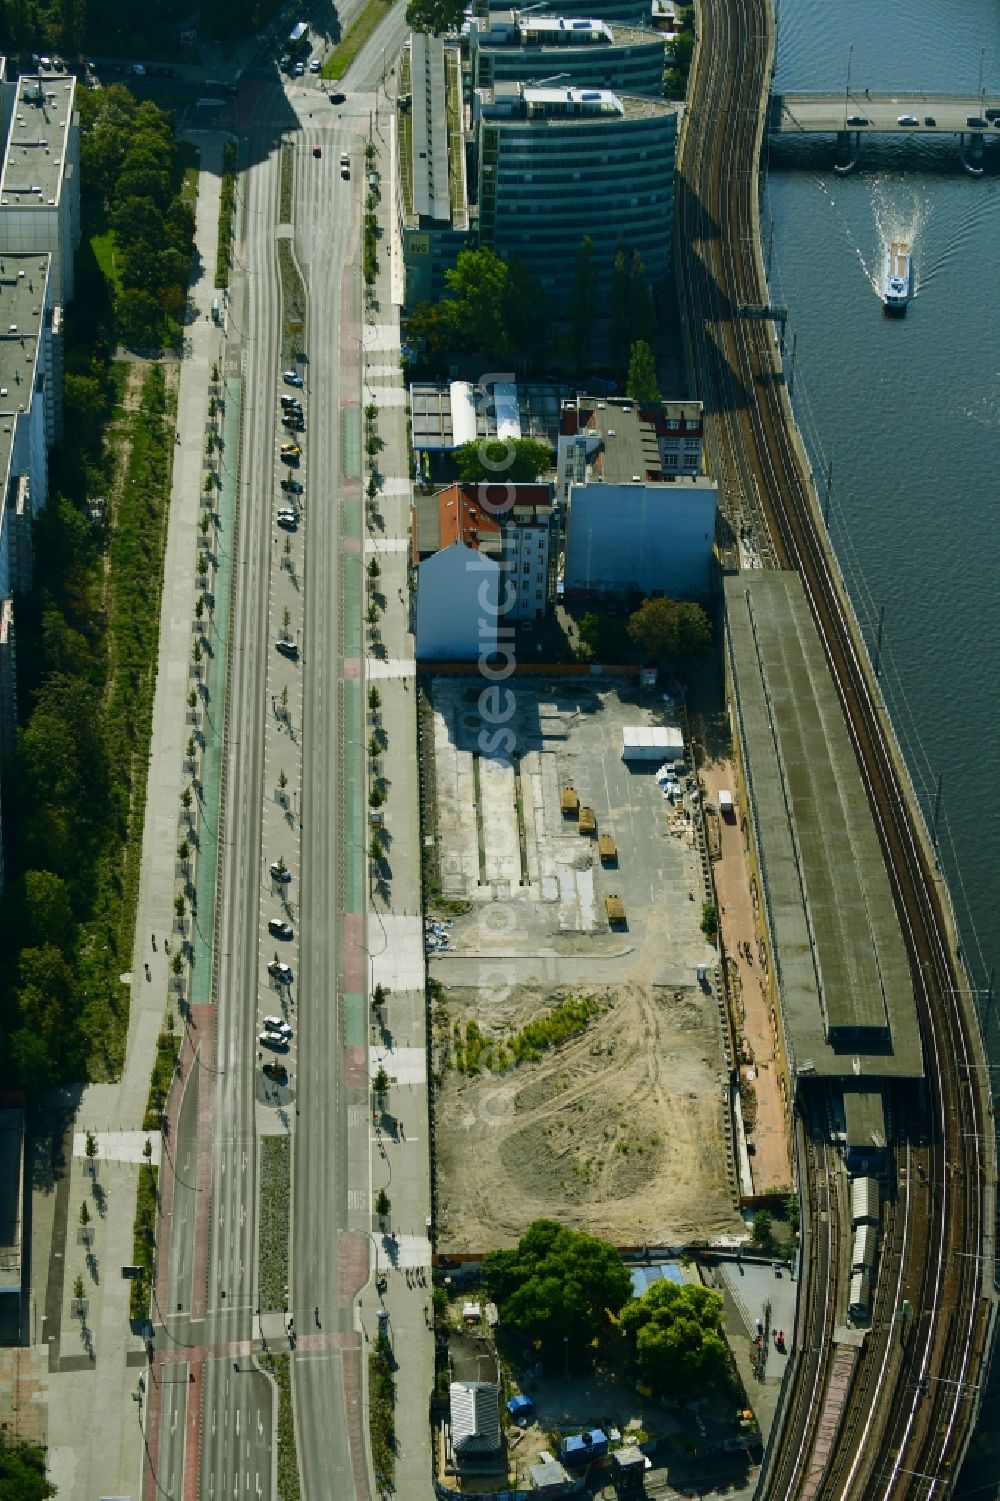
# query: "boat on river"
[[896, 278]]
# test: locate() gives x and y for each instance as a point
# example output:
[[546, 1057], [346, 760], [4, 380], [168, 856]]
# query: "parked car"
[[288, 523], [277, 1024], [288, 401], [280, 971], [293, 486], [290, 453], [273, 1040], [280, 872], [276, 1072], [278, 928], [298, 70], [291, 378], [287, 648]]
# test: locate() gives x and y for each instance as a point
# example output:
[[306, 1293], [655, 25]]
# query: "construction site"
[[577, 1040]]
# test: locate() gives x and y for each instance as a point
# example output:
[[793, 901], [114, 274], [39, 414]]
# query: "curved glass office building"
[[555, 164]]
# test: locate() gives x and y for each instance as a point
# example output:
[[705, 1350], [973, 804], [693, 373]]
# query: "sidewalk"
[[95, 1442], [401, 1156], [761, 1062]]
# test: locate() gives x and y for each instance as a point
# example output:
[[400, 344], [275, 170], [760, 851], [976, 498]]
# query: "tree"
[[618, 333], [681, 51], [40, 913], [380, 1083], [475, 302], [762, 1224], [374, 699], [22, 1471], [84, 1215], [677, 1339], [135, 219], [671, 630], [640, 303], [524, 310], [139, 316], [435, 16], [46, 996], [34, 1066], [605, 637], [86, 404], [558, 1285], [78, 1288], [584, 300], [382, 1203], [642, 383], [521, 459]]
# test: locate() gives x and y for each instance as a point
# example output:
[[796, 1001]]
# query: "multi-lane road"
[[894, 1419], [292, 789]]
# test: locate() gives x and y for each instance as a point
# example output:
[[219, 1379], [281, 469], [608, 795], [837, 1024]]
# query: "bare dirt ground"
[[617, 1131]]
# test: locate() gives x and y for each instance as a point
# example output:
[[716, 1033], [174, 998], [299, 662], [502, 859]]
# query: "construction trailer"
[[646, 742]]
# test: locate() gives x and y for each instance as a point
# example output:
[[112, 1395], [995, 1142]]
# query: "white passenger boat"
[[896, 278]]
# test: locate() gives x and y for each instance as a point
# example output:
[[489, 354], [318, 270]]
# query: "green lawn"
[[103, 246], [347, 49]]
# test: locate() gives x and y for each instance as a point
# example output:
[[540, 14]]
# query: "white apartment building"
[[480, 554], [40, 180]]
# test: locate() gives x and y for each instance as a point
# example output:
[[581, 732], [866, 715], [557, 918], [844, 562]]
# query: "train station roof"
[[842, 972]]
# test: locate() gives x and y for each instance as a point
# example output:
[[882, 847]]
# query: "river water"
[[908, 410]]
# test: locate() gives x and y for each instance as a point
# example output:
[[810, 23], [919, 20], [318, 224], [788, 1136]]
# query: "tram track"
[[909, 1409]]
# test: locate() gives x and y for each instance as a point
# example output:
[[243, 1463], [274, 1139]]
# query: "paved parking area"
[[502, 836]]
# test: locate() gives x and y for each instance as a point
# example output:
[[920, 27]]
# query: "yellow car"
[[291, 453]]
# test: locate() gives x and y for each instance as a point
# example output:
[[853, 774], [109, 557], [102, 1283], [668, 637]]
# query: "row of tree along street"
[[75, 788], [133, 170]]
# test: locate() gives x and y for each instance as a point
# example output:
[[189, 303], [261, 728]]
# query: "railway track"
[[911, 1397]]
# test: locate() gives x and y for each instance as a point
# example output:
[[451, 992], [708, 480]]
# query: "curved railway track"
[[911, 1402]]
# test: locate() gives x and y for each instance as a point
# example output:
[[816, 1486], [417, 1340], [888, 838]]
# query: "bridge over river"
[[852, 117]]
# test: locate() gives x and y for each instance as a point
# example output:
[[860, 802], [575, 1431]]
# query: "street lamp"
[[979, 91], [847, 86]]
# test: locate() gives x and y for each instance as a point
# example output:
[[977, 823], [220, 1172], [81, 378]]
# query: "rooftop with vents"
[[38, 142]]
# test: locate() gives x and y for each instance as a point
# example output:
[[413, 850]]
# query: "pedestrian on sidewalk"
[[152, 937]]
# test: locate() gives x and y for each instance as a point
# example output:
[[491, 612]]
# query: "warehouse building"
[[837, 967], [640, 515], [523, 46], [555, 164]]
